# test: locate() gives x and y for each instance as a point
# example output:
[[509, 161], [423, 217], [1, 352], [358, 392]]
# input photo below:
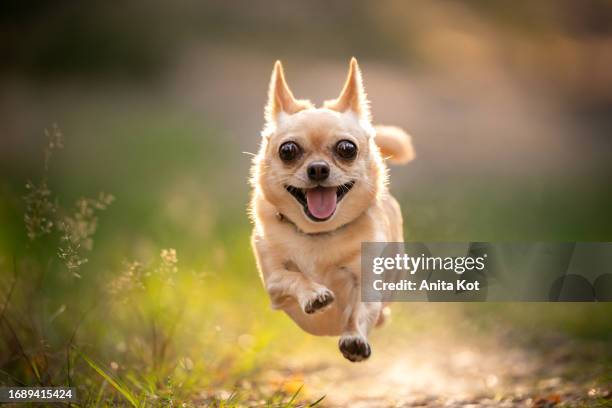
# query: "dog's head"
[[319, 167]]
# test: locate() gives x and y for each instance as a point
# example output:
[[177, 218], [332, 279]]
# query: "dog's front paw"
[[354, 347], [318, 300]]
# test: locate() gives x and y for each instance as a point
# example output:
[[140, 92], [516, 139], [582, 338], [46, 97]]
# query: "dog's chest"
[[322, 257]]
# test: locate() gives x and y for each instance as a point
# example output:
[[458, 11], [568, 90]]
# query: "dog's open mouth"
[[320, 202]]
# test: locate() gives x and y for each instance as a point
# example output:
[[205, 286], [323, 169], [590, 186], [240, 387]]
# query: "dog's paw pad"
[[317, 302], [354, 348]]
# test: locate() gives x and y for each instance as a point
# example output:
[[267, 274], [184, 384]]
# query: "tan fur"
[[353, 96], [301, 260], [395, 144], [280, 97]]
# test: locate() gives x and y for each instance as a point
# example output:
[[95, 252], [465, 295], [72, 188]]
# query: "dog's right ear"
[[280, 97], [353, 97]]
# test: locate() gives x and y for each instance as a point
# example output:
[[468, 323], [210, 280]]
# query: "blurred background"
[[509, 108]]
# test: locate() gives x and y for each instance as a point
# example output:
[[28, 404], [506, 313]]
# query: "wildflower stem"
[[11, 288]]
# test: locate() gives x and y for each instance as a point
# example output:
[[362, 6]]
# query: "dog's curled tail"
[[394, 144]]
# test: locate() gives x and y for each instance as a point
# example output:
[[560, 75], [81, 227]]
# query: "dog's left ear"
[[353, 97], [280, 97]]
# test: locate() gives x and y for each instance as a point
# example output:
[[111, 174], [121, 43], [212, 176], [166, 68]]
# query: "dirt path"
[[458, 365]]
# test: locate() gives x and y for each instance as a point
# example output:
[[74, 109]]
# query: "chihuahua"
[[319, 186]]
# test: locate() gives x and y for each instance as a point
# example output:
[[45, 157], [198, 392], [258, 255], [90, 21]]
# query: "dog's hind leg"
[[383, 315]]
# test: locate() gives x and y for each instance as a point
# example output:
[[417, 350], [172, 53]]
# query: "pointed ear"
[[353, 96], [280, 97]]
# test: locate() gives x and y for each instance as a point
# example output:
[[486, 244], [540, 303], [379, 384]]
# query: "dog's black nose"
[[318, 170]]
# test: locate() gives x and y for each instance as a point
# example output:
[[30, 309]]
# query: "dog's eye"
[[346, 149], [289, 151]]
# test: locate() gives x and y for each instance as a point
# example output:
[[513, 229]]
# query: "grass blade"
[[119, 387], [316, 402], [100, 393], [294, 396]]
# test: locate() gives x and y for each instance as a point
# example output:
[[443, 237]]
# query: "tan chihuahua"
[[320, 190]]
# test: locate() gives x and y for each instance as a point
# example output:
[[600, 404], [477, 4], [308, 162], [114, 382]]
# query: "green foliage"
[[112, 381]]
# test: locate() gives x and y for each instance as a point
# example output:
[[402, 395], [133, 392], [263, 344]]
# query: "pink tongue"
[[321, 201]]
